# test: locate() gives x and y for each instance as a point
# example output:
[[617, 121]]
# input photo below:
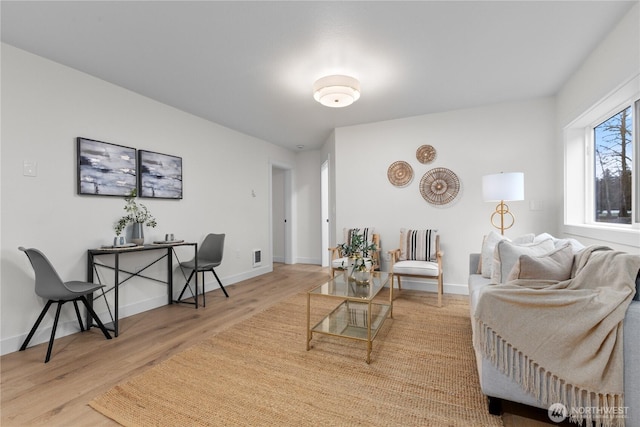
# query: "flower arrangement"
[[359, 249], [358, 246], [136, 213]]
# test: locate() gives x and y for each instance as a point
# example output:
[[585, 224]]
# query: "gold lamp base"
[[502, 209]]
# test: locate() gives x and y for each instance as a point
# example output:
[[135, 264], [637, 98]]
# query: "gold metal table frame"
[[357, 317]]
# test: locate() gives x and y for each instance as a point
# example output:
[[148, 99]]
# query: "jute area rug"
[[258, 373]]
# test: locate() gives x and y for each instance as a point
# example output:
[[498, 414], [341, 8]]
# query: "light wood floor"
[[84, 365]]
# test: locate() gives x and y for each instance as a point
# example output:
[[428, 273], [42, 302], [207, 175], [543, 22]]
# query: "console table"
[[167, 251]]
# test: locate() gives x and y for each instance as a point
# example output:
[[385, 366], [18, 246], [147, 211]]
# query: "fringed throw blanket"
[[562, 341]]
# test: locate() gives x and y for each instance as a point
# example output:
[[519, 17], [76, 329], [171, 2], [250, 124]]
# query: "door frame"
[[289, 203]]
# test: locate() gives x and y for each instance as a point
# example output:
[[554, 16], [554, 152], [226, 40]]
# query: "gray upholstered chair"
[[339, 261], [50, 286], [209, 256], [419, 256]]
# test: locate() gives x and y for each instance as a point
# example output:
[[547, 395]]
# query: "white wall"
[[615, 61], [514, 137], [609, 76], [45, 106]]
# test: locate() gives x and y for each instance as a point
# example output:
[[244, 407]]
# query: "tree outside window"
[[613, 168]]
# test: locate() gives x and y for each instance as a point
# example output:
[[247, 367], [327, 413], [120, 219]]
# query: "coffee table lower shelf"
[[353, 320]]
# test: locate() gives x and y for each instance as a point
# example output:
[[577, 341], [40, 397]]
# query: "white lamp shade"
[[503, 186], [336, 91]]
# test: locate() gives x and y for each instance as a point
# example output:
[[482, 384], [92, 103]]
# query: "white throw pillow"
[[555, 265], [506, 254], [488, 246], [576, 246]]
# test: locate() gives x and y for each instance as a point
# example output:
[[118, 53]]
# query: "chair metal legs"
[[95, 317], [219, 283], [55, 323], [35, 326], [188, 285], [204, 300]]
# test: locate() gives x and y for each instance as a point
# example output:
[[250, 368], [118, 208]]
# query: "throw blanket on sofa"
[[562, 341]]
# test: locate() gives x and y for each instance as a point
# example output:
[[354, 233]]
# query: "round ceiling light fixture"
[[336, 91]]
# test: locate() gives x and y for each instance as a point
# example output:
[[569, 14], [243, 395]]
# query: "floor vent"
[[257, 257]]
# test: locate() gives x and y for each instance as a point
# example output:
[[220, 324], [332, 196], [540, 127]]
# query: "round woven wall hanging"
[[439, 186], [425, 153], [400, 173]]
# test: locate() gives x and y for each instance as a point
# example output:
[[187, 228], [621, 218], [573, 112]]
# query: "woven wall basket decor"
[[425, 154], [400, 173], [439, 186]]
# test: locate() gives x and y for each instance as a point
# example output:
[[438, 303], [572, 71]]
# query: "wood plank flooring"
[[84, 365]]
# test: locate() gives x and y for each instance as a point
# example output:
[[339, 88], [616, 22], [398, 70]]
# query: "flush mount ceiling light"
[[336, 91]]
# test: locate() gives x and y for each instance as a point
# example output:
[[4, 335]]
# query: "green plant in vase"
[[358, 246], [137, 215], [357, 250]]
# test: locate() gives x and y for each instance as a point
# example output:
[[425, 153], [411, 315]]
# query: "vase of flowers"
[[138, 216], [361, 271], [357, 252]]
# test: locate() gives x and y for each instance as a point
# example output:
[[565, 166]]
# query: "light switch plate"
[[536, 205], [30, 168]]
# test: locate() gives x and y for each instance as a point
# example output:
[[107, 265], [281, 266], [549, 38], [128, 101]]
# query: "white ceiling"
[[250, 66]]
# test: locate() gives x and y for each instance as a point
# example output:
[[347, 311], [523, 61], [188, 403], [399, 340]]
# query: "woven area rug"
[[258, 373]]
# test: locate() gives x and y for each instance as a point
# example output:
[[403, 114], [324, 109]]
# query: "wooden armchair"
[[419, 256], [337, 260]]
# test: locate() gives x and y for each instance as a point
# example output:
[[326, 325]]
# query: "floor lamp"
[[500, 187]]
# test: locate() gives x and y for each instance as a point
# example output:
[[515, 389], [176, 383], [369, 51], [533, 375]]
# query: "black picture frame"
[[105, 169], [160, 175]]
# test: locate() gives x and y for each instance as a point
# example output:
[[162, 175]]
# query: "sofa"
[[498, 386]]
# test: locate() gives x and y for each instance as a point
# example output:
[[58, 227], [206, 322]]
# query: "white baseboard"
[[316, 261], [456, 289], [70, 326], [230, 280], [67, 327]]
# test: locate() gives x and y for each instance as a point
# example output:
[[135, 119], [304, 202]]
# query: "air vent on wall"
[[257, 257]]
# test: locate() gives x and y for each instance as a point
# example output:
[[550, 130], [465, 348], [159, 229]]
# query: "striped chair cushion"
[[417, 245], [367, 233]]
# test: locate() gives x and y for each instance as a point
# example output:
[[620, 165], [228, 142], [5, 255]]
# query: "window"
[[613, 168], [601, 191]]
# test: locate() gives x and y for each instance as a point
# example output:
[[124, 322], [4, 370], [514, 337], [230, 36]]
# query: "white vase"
[[137, 233], [360, 270], [362, 277]]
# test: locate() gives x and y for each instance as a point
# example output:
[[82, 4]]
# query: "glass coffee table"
[[357, 316]]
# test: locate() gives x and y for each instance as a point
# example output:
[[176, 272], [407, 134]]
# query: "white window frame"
[[579, 216]]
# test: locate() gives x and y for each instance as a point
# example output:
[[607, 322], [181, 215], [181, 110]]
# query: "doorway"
[[281, 210], [324, 217]]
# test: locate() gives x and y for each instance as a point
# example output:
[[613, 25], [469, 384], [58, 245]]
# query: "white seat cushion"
[[418, 268], [344, 262], [340, 262]]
